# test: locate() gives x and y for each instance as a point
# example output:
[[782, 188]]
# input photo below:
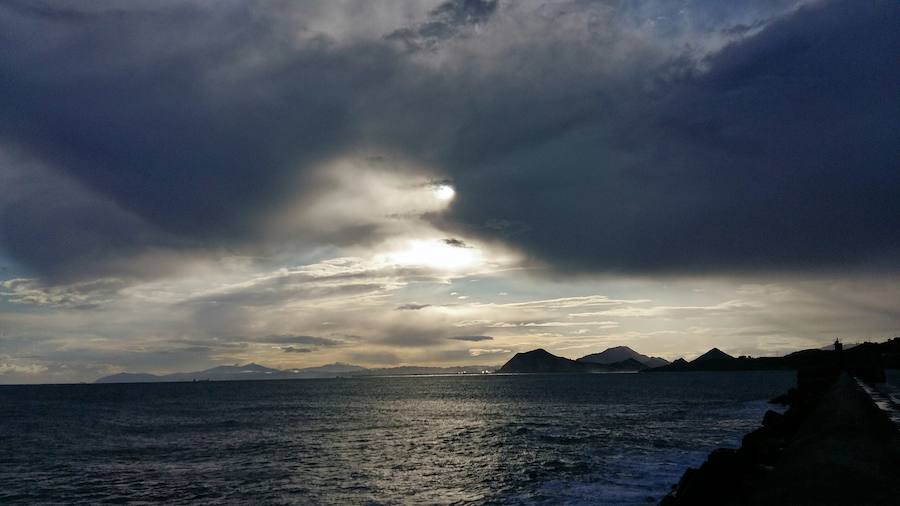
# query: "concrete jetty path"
[[834, 447], [847, 452]]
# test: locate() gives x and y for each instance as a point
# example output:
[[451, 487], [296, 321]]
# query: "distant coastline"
[[256, 372], [886, 353]]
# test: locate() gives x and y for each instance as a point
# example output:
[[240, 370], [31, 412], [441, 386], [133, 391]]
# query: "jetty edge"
[[833, 446]]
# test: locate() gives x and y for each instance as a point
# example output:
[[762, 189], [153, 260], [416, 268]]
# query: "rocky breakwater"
[[832, 446]]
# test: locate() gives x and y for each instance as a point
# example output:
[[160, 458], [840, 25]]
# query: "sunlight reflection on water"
[[621, 439]]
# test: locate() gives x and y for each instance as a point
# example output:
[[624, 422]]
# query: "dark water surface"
[[541, 439], [893, 376]]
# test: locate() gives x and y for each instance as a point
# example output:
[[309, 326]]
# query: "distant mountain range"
[[887, 354], [541, 361], [258, 372], [713, 354]]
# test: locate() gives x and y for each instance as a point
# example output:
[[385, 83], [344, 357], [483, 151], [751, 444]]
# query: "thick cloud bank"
[[593, 136]]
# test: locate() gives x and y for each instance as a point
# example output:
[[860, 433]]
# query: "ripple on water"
[[622, 439]]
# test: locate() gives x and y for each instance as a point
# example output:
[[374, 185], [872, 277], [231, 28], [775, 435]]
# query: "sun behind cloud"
[[444, 192], [435, 253]]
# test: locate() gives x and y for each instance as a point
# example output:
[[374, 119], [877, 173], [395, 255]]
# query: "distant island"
[[618, 359]]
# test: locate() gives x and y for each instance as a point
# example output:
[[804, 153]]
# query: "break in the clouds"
[[195, 182]]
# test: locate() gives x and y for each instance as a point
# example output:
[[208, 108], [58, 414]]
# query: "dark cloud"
[[456, 243], [471, 338], [446, 21], [308, 340], [781, 154], [776, 152], [291, 349], [164, 125], [412, 307]]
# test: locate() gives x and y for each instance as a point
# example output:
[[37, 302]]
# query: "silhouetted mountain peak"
[[620, 353], [713, 354], [629, 364], [541, 360]]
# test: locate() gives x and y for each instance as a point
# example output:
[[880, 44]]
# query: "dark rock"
[[761, 447], [786, 398], [628, 364], [830, 447], [771, 420]]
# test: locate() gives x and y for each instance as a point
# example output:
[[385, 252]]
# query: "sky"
[[185, 184]]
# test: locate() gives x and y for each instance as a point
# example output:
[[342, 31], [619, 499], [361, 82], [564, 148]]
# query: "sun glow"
[[434, 253], [444, 192]]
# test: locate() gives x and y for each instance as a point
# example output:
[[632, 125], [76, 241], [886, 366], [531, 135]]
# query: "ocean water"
[[528, 439], [893, 376]]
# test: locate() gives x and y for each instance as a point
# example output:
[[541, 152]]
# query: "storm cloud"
[[308, 340], [445, 21], [753, 138], [777, 152], [291, 349], [411, 307]]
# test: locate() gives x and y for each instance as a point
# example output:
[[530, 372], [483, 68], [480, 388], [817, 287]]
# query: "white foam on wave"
[[637, 480], [644, 477]]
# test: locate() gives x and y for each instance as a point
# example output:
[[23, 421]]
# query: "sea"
[[464, 439]]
